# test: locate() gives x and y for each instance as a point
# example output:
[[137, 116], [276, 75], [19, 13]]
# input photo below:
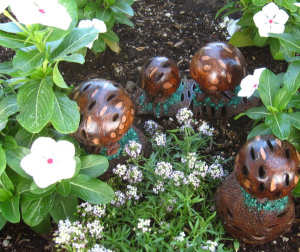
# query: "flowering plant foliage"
[[264, 22]]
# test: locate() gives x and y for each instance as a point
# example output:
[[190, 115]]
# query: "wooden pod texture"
[[106, 111], [267, 167], [218, 67], [249, 224], [160, 78]]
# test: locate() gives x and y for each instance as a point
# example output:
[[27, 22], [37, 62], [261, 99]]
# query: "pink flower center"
[[270, 21], [255, 85], [42, 11], [49, 160]]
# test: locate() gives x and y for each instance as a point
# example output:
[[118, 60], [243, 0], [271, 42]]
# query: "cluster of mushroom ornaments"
[[254, 202]]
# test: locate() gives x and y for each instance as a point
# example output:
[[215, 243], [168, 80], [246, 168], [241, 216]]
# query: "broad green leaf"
[[91, 189], [14, 157], [257, 113], [3, 121], [268, 87], [280, 125], [71, 8], [75, 40], [291, 40], [64, 207], [291, 79], [295, 101], [99, 46], [123, 19], [294, 138], [241, 38], [104, 14], [43, 227], [64, 188], [260, 2], [2, 160], [123, 7], [282, 98], [295, 119], [8, 106], [6, 67], [94, 165], [26, 61], [34, 211], [90, 10], [36, 103], [66, 116], [10, 27], [261, 129], [57, 77], [6, 183], [81, 3], [34, 189], [114, 46], [109, 35], [276, 50], [2, 221], [5, 195], [11, 40], [74, 58], [10, 209]]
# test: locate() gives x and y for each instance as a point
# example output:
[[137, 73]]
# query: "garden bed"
[[177, 30]]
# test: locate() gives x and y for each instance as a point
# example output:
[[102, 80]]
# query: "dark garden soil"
[[176, 29]]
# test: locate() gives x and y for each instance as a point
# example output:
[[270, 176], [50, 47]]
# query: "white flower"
[[250, 83], [270, 19], [3, 5], [98, 24], [151, 127], [133, 148], [49, 161], [180, 237], [99, 248], [210, 245], [184, 116], [160, 139], [232, 27], [45, 12], [205, 129], [164, 169], [144, 225]]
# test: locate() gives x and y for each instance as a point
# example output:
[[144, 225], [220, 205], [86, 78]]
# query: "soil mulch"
[[176, 29]]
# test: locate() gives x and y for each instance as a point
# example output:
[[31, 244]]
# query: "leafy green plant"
[[282, 44], [111, 12]]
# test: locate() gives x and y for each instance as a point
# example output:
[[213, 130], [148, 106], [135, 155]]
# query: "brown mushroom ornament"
[[218, 67], [254, 202], [106, 111], [160, 78]]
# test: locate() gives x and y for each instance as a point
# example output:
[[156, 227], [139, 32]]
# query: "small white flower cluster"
[[193, 179], [158, 187], [86, 209], [180, 237], [131, 192], [144, 225], [132, 174], [99, 248], [216, 170], [151, 127], [178, 178], [205, 129], [121, 198], [160, 139], [133, 149], [164, 169], [190, 159], [201, 168], [231, 26], [210, 245], [77, 234], [184, 116]]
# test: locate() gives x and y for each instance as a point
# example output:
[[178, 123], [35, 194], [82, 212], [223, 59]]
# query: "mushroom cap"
[[160, 78], [267, 167], [218, 67], [106, 111]]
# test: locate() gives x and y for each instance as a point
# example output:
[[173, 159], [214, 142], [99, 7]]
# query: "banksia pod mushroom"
[[106, 111], [160, 78], [267, 167], [218, 67]]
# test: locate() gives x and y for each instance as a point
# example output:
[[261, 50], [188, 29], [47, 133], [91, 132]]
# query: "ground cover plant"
[[164, 201]]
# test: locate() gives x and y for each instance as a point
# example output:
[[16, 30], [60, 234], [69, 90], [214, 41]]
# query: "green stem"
[[7, 14]]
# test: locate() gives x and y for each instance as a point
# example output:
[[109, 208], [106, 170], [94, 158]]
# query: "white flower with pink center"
[[270, 19], [49, 161], [250, 83], [45, 12]]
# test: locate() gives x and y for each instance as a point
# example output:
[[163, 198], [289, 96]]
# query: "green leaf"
[[64, 188], [291, 79], [295, 101], [26, 61], [34, 189], [43, 227], [295, 119], [2, 160], [3, 121], [8, 106], [109, 35], [280, 125], [257, 113], [10, 27], [241, 38], [6, 183], [276, 49], [36, 102], [66, 116], [2, 221], [64, 207], [282, 98], [123, 7], [99, 46], [14, 157], [6, 67], [294, 138], [34, 211], [92, 190], [268, 87], [94, 165], [5, 195], [11, 40], [57, 77], [123, 19], [74, 58], [10, 209], [75, 40], [291, 40]]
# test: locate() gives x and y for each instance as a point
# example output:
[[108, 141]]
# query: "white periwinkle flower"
[[270, 19], [250, 83], [98, 24], [45, 12], [49, 161], [232, 27]]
